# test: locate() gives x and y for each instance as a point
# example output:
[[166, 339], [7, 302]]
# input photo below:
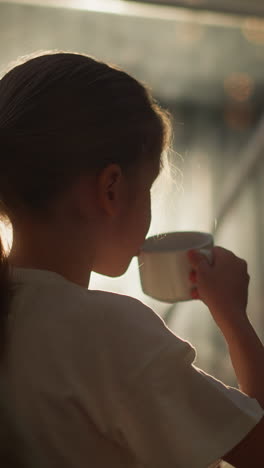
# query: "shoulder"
[[121, 322], [126, 312], [112, 321], [102, 304], [117, 309], [122, 308], [129, 324]]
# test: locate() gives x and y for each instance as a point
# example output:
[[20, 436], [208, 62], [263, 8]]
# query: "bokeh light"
[[239, 86], [253, 30]]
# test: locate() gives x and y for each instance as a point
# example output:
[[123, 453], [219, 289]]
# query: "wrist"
[[235, 325]]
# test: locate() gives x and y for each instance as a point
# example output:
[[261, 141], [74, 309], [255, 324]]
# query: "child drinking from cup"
[[96, 378]]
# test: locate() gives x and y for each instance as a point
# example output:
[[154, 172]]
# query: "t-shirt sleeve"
[[168, 412]]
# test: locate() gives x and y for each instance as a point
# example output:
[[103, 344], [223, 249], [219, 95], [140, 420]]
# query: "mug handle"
[[208, 253]]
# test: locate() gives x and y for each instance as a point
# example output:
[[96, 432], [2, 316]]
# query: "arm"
[[247, 356], [223, 287]]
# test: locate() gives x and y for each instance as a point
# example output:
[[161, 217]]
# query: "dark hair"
[[62, 114]]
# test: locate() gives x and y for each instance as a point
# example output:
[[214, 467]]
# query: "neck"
[[39, 248]]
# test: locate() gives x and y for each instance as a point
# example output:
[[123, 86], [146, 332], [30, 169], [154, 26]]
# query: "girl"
[[96, 378]]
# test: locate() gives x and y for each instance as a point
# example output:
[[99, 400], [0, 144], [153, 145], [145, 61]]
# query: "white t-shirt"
[[99, 381]]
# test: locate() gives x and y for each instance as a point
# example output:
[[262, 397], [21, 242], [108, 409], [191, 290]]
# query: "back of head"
[[64, 113]]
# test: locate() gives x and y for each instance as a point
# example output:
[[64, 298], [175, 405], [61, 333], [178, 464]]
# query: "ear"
[[110, 186]]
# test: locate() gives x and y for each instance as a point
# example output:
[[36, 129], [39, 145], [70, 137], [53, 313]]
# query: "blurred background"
[[204, 61]]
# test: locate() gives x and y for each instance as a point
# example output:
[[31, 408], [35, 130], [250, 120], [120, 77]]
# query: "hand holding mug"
[[223, 286]]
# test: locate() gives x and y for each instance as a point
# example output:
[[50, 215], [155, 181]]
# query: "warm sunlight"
[[6, 235]]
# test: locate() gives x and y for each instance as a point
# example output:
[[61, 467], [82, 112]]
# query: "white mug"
[[164, 265]]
